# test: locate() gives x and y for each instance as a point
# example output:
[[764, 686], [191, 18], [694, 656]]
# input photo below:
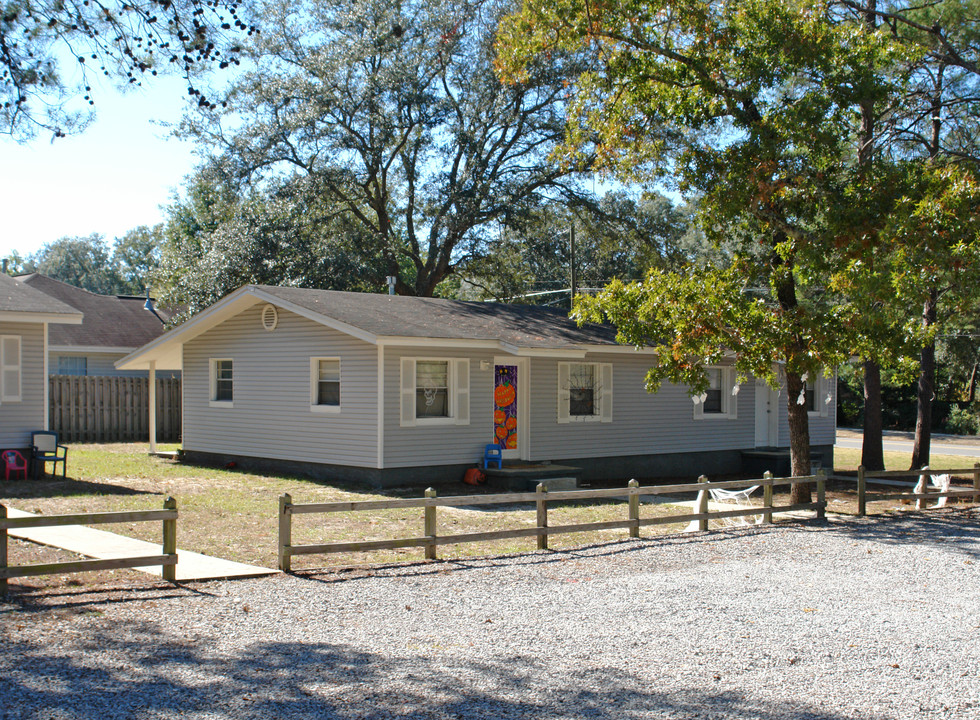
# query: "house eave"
[[33, 317]]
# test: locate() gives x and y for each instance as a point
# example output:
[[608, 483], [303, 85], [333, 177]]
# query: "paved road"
[[902, 442]]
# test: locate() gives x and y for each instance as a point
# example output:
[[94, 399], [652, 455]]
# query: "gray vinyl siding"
[[271, 415], [643, 423], [441, 444], [823, 429], [19, 419]]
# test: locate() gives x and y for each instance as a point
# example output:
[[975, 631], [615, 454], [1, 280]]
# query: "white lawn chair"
[[738, 499]]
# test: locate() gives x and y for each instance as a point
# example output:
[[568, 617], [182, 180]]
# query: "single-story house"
[[114, 326], [25, 317], [390, 389]]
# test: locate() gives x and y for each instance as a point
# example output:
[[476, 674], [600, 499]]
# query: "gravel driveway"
[[872, 618]]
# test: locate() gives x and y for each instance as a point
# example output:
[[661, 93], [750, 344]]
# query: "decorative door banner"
[[505, 406]]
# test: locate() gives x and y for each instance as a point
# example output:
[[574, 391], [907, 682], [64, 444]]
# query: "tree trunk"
[[872, 455], [799, 438], [927, 389]]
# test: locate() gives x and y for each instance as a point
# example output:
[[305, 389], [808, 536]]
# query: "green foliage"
[[51, 52], [394, 114], [217, 241], [619, 237], [703, 316], [84, 262], [963, 421]]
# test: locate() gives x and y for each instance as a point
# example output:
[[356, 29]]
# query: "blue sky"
[[115, 176]]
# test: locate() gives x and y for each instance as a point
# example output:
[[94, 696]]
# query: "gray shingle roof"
[[17, 297], [110, 321], [400, 316]]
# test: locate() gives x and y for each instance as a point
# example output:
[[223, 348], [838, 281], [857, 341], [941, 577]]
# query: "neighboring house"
[[25, 317], [114, 326], [391, 389]]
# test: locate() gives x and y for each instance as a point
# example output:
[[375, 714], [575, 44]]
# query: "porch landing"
[[525, 476]]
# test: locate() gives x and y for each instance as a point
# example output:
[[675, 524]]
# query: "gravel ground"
[[856, 618]]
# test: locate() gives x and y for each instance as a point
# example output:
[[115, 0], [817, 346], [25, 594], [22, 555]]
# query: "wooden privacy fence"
[[431, 539], [167, 561], [112, 409], [864, 497]]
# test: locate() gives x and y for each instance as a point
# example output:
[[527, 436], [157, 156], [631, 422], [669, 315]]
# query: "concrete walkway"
[[106, 545]]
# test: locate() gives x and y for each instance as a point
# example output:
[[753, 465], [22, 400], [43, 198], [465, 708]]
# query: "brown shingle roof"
[[17, 297], [529, 326], [110, 321]]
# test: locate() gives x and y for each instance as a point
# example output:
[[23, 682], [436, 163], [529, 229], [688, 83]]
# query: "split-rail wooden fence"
[[167, 560], [430, 538], [112, 409], [864, 497]]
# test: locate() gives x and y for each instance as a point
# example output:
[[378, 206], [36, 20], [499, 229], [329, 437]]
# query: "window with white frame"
[[10, 368], [584, 392], [72, 365], [325, 385], [815, 396], [435, 390], [222, 381], [720, 400]]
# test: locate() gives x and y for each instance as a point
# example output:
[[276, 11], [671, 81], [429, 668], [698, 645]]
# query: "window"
[[815, 396], [435, 391], [68, 365], [584, 392], [325, 385], [432, 388], [719, 400], [10, 368], [222, 385]]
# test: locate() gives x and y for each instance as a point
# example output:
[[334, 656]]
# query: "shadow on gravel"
[[953, 529], [138, 670]]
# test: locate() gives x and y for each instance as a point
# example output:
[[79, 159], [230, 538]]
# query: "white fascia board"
[[459, 343], [317, 317], [32, 317], [165, 349]]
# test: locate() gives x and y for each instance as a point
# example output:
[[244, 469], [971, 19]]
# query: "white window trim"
[[729, 402], [458, 379], [603, 397], [213, 385], [315, 382], [819, 397], [9, 394]]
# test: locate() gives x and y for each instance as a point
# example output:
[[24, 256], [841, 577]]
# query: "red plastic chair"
[[13, 460]]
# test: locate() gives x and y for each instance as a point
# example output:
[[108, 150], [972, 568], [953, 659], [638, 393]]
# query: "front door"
[[509, 421]]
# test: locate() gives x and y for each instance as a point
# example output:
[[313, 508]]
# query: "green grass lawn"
[[848, 459]]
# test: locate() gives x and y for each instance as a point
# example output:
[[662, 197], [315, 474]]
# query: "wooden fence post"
[[430, 525], [634, 508], [976, 482], [862, 489], [542, 503], [3, 549], [821, 494], [703, 504], [767, 499], [285, 531], [170, 540]]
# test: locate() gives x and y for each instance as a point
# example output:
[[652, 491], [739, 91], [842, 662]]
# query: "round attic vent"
[[270, 317]]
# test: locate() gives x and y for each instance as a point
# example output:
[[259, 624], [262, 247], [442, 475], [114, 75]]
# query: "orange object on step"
[[473, 476]]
